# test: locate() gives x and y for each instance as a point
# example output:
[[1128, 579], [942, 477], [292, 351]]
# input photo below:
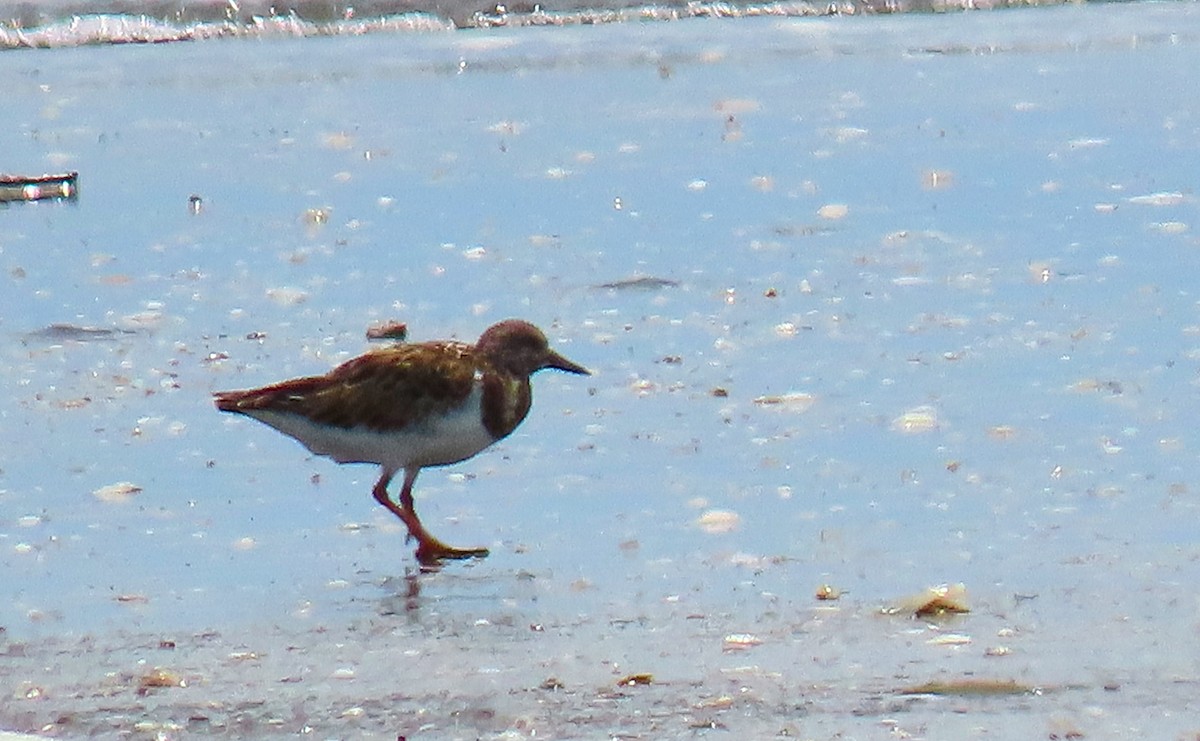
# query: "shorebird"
[[408, 407]]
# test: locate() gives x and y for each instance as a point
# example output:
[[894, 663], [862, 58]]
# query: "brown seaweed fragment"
[[970, 687], [939, 601]]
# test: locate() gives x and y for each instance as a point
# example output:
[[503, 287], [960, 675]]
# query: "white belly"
[[436, 442]]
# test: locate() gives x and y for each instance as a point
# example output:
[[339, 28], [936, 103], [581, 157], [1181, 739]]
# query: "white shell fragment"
[[833, 211], [916, 420], [793, 401], [1158, 199], [117, 493], [287, 295], [717, 521], [740, 641]]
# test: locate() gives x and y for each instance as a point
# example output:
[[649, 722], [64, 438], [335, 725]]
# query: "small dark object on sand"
[[644, 283], [60, 332]]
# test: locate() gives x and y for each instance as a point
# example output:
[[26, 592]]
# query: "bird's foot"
[[432, 552]]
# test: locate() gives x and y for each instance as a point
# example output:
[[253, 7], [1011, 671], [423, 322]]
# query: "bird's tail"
[[234, 401], [277, 397]]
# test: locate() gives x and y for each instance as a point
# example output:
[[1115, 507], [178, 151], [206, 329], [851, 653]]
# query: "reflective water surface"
[[875, 303]]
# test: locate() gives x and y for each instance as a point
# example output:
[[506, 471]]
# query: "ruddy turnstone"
[[411, 406]]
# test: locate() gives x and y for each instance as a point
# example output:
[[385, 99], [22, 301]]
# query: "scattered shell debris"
[[753, 561], [338, 140], [643, 386], [28, 691], [916, 421], [828, 593], [718, 521], [740, 642], [763, 183], [287, 296], [937, 179], [721, 702], [1169, 227], [237, 656], [313, 217], [1002, 432], [846, 134], [117, 493], [833, 211], [388, 330], [949, 639], [152, 317], [631, 680], [545, 240], [508, 128], [737, 105], [159, 678], [793, 401], [1040, 271], [1088, 385], [939, 601], [1166, 198]]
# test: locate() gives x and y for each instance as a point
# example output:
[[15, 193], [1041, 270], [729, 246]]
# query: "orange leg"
[[430, 550]]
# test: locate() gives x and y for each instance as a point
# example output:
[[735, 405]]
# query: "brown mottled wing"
[[388, 388]]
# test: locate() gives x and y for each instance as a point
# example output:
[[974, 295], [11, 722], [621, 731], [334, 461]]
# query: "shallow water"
[[55, 23], [926, 314]]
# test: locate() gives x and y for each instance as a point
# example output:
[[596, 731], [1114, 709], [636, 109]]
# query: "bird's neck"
[[505, 402]]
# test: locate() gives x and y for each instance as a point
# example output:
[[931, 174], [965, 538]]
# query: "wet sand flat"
[[873, 305]]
